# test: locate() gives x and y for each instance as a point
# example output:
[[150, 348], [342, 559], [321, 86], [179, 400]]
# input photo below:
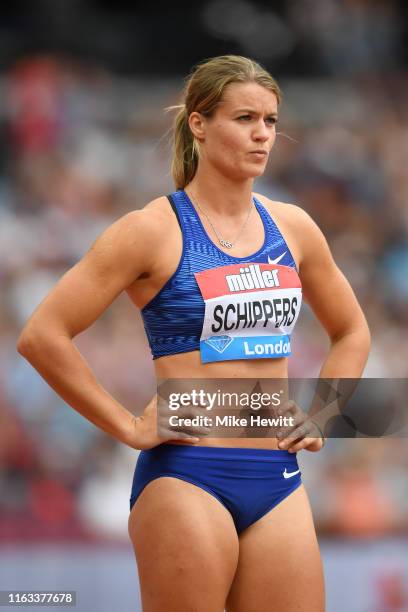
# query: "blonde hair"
[[203, 92]]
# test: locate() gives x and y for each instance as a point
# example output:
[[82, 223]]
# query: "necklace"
[[225, 243]]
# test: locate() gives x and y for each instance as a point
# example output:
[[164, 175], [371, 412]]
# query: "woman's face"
[[237, 139]]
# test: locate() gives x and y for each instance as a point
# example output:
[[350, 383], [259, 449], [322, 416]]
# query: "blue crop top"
[[227, 307]]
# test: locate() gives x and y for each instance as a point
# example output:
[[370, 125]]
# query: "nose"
[[261, 131]]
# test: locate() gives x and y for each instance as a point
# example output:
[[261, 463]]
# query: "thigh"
[[279, 565], [186, 547]]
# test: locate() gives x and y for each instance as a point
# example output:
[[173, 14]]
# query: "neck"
[[219, 194]]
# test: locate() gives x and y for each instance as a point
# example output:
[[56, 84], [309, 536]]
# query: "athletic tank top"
[[227, 307]]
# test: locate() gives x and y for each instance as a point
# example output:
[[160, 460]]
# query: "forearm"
[[61, 364], [340, 373], [347, 356]]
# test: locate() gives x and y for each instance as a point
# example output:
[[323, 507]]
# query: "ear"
[[196, 121]]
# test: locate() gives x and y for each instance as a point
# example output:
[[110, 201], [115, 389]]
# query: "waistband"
[[222, 452]]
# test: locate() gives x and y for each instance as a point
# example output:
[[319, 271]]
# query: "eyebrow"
[[251, 110]]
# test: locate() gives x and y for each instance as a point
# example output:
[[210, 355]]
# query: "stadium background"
[[83, 141]]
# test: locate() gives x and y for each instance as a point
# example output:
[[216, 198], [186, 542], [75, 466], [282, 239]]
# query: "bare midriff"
[[189, 365]]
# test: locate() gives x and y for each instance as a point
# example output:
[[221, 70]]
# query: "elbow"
[[368, 338], [359, 336], [26, 343], [365, 336], [38, 339], [364, 344], [31, 341]]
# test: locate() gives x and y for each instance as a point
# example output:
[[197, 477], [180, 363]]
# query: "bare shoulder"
[[143, 226], [152, 217], [300, 230], [128, 246], [290, 214], [159, 208]]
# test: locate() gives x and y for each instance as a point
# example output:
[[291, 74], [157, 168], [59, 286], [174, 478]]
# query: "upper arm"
[[324, 286], [120, 254]]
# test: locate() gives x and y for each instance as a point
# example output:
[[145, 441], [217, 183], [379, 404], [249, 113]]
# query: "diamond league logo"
[[219, 343]]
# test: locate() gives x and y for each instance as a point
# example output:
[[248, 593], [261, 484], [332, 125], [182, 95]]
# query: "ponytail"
[[185, 150]]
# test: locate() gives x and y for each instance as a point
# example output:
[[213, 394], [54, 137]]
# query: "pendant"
[[226, 243]]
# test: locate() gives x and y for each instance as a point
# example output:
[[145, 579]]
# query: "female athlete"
[[218, 273]]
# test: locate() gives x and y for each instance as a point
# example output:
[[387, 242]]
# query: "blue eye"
[[272, 120], [244, 117]]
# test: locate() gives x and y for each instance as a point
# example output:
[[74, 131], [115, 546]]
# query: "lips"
[[260, 152]]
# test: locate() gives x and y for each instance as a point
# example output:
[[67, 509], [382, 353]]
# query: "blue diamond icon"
[[219, 343]]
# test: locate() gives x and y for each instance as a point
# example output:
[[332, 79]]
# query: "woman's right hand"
[[146, 427]]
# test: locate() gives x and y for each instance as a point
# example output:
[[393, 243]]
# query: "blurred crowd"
[[80, 147]]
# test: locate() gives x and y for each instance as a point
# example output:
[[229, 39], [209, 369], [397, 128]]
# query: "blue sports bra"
[[227, 307]]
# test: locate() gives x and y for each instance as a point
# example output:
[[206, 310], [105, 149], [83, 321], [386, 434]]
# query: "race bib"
[[250, 311]]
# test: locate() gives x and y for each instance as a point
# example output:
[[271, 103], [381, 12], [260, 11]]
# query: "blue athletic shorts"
[[247, 481]]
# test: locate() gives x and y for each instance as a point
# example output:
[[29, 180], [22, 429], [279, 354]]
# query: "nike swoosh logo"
[[290, 474], [277, 260]]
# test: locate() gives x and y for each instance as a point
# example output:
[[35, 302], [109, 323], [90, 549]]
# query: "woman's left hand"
[[303, 434]]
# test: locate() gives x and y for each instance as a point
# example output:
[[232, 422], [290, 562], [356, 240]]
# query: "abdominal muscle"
[[189, 365]]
